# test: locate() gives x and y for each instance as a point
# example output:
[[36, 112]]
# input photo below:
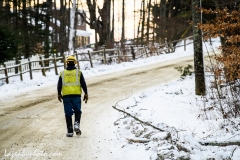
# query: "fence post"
[[118, 54], [6, 74], [136, 53], [185, 44], [20, 69], [104, 54], [90, 59], [146, 51], [77, 60], [16, 61], [30, 68], [55, 64], [64, 63], [171, 47], [133, 54], [42, 65]]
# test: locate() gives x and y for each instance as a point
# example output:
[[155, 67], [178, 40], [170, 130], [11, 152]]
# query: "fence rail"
[[106, 56]]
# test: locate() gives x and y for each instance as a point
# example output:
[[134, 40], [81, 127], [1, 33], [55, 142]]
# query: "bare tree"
[[100, 24]]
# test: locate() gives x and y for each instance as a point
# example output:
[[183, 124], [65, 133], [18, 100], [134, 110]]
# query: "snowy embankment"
[[174, 111]]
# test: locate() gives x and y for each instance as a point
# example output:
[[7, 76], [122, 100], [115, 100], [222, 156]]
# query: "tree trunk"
[[112, 33], [143, 22], [55, 41], [138, 30], [105, 16], [15, 12], [148, 21], [198, 53], [123, 25], [25, 30], [71, 28], [134, 21], [62, 34], [102, 27], [46, 44], [163, 19]]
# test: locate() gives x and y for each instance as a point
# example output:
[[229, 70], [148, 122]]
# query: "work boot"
[[70, 132], [77, 123], [69, 126], [77, 128]]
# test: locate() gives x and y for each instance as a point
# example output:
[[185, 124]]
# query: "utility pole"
[[200, 88]]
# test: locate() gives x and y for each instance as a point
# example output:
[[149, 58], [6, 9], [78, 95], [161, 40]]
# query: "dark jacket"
[[82, 82]]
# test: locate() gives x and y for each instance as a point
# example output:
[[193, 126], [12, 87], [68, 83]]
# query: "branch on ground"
[[223, 144], [145, 123], [138, 140]]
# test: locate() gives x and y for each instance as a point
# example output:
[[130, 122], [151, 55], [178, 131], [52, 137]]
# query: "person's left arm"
[[84, 87], [83, 84], [59, 88]]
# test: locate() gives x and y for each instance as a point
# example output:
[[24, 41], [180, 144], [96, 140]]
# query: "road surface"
[[34, 123]]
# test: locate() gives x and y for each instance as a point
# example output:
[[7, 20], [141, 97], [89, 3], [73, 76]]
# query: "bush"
[[185, 71], [225, 90]]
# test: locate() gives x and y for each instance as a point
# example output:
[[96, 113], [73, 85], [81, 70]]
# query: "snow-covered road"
[[35, 123]]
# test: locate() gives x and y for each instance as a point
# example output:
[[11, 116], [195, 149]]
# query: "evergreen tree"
[[8, 43]]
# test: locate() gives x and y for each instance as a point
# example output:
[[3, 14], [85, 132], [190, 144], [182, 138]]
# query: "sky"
[[172, 107]]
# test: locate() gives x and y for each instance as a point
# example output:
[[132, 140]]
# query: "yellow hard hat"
[[71, 59]]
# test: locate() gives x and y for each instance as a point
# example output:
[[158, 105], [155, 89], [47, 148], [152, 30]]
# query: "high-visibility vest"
[[71, 82]]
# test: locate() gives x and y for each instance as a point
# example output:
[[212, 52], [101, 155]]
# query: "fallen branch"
[[181, 147], [223, 144], [145, 123], [138, 140]]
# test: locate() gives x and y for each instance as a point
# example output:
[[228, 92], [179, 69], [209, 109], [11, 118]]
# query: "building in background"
[[82, 36]]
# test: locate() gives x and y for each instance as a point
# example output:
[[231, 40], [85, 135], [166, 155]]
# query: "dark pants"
[[72, 105]]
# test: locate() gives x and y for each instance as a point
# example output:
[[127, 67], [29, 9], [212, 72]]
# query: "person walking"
[[71, 82]]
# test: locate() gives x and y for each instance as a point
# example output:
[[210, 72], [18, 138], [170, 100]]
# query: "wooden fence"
[[109, 55], [24, 67], [106, 56]]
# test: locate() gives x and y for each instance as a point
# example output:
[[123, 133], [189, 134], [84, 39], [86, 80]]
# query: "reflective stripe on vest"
[[71, 85]]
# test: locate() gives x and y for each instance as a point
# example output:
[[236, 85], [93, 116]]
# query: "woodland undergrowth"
[[223, 72]]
